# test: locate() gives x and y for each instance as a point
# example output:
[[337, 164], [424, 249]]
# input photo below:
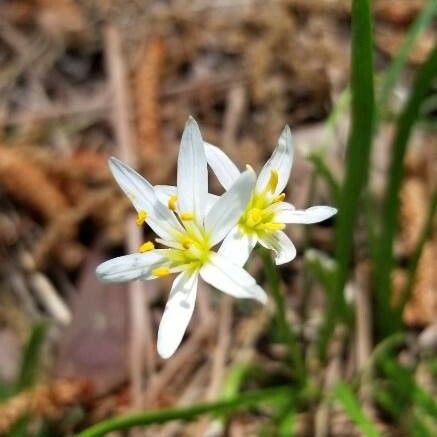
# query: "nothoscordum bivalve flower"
[[266, 214], [188, 227]]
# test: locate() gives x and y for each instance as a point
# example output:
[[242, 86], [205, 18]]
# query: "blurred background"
[[83, 80]]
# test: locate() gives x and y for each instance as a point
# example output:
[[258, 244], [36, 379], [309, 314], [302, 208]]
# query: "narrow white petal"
[[237, 246], [227, 210], [222, 166], [281, 160], [231, 279], [177, 313], [192, 171], [279, 209], [143, 197], [281, 245], [165, 191], [129, 267], [314, 214]]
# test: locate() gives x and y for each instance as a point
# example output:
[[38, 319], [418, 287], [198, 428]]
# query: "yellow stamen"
[[273, 226], [161, 271], [186, 215], [273, 181], [254, 216], [141, 217], [279, 198], [186, 242], [172, 202], [146, 247]]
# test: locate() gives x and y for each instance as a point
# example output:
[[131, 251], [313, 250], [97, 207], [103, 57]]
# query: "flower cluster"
[[191, 223]]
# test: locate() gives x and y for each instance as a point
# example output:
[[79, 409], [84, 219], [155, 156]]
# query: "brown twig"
[[141, 322]]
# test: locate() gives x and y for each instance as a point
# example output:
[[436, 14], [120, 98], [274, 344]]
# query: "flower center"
[[259, 216], [194, 248]]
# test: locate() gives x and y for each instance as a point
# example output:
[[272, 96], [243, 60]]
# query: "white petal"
[[314, 214], [231, 279], [192, 171], [237, 246], [227, 210], [281, 160], [163, 192], [280, 209], [129, 267], [281, 245], [225, 170], [177, 313], [143, 197]]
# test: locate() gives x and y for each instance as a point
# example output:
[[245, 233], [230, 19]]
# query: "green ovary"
[[195, 252]]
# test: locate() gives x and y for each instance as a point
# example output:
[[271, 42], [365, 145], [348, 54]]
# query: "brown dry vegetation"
[[243, 69]]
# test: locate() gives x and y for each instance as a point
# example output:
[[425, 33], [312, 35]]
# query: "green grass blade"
[[285, 331], [245, 400], [352, 407], [323, 268], [325, 172], [31, 357], [384, 266], [392, 73], [357, 159]]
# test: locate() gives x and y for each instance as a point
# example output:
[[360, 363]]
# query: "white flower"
[[189, 226], [266, 213]]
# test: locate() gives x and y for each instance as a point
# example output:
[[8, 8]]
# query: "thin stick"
[[141, 332], [222, 348], [181, 358]]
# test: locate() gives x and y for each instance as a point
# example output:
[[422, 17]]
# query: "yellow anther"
[[273, 226], [273, 181], [172, 202], [146, 247], [249, 167], [186, 242], [254, 216], [161, 271], [186, 215], [141, 217], [279, 198]]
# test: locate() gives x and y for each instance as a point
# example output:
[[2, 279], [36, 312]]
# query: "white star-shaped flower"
[[189, 225], [266, 213]]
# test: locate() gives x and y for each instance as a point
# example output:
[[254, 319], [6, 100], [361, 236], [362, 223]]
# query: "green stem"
[[357, 161], [386, 324], [286, 333], [245, 400]]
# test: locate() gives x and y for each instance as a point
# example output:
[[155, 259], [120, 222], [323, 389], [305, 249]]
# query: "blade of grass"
[[428, 71], [325, 172], [419, 428], [393, 71], [323, 268], [245, 400], [284, 329], [31, 357], [357, 160], [351, 405]]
